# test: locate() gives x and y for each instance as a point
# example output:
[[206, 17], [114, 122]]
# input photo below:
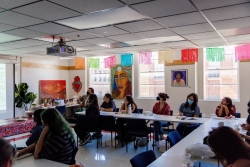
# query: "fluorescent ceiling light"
[[155, 40], [7, 37], [102, 18]]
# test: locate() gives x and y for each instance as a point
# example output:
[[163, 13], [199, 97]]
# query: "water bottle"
[[129, 109]]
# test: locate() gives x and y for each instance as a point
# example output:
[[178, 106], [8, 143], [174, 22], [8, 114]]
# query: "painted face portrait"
[[178, 78], [122, 84]]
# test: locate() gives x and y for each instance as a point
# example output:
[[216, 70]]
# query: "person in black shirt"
[[108, 103], [246, 126], [92, 110]]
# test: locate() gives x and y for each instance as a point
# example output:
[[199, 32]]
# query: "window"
[[221, 78], [100, 79], [152, 78]]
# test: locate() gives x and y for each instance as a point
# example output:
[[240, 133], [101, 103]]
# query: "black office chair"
[[87, 124], [136, 128], [140, 110], [143, 159], [173, 138], [238, 115], [108, 124], [61, 109]]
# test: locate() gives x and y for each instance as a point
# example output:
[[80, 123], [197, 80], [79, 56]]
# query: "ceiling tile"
[[213, 44], [161, 8], [180, 43], [25, 33], [238, 38], [98, 41], [24, 43], [94, 47], [239, 42], [118, 15], [156, 33], [46, 10], [16, 19], [77, 43], [77, 35], [51, 28], [107, 31], [133, 1], [202, 35], [210, 40], [4, 27], [2, 48], [205, 4], [137, 26], [87, 6], [6, 37], [8, 4], [235, 31], [193, 28], [233, 23], [182, 19], [230, 12], [125, 37]]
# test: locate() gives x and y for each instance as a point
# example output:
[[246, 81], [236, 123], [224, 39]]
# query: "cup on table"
[[185, 160], [204, 115], [221, 124]]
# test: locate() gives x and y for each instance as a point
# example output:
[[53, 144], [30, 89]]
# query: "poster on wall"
[[53, 89], [121, 79], [179, 78]]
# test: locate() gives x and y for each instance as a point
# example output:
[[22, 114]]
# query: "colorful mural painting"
[[53, 89], [121, 79]]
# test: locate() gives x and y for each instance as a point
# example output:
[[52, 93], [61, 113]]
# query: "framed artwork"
[[179, 78], [121, 79], [53, 89]]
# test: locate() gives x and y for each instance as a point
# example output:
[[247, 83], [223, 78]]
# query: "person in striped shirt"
[[56, 142]]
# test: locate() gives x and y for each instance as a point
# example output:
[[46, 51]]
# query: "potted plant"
[[23, 98]]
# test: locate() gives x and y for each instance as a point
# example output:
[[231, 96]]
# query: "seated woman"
[[226, 108], [56, 142], [108, 103], [37, 130], [228, 154], [7, 153], [128, 100], [189, 109], [160, 108], [92, 110]]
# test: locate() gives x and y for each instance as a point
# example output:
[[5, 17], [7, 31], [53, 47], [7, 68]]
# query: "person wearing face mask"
[[189, 109], [161, 108], [84, 100], [226, 108]]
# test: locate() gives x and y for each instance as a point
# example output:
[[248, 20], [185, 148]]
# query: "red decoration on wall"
[[77, 84], [189, 55]]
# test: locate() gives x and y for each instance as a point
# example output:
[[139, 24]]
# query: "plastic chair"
[[173, 138], [238, 115], [143, 159], [136, 128], [87, 124], [108, 124], [61, 109]]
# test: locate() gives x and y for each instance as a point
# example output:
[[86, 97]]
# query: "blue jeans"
[[185, 129], [158, 129]]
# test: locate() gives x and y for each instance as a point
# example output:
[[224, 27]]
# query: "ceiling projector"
[[61, 49]]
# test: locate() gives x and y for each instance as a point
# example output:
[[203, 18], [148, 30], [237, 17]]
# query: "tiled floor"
[[104, 156]]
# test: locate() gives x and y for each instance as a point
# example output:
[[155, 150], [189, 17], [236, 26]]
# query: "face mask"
[[88, 93], [190, 101], [157, 98]]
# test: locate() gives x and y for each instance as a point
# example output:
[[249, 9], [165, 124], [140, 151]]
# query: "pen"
[[81, 164]]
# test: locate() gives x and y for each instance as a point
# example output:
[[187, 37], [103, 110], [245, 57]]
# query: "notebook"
[[205, 164]]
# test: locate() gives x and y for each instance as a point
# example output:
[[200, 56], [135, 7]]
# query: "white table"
[[172, 156], [31, 162], [152, 118]]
